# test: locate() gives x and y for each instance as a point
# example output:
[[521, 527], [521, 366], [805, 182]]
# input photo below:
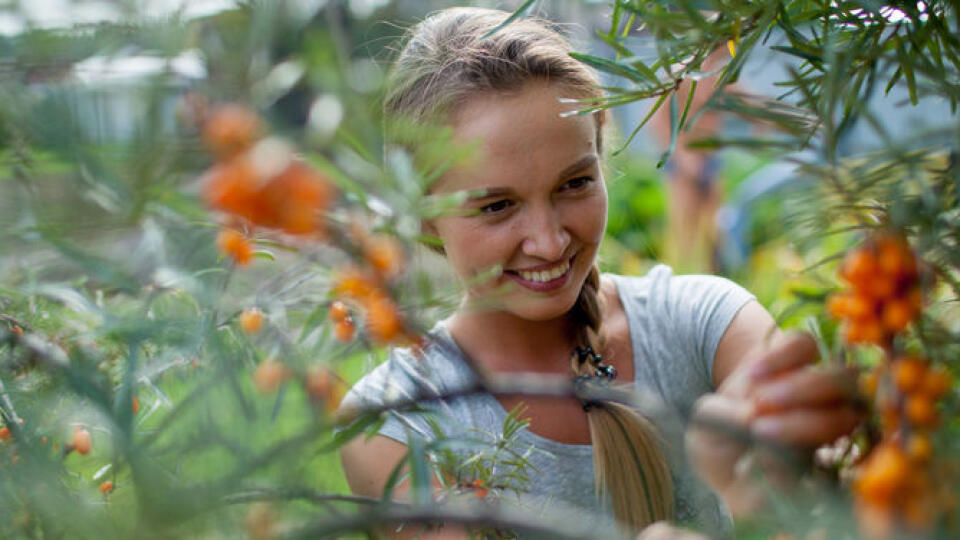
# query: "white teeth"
[[546, 275]]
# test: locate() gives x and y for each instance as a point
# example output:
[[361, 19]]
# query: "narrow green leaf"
[[520, 12], [814, 59], [674, 130], [656, 106], [616, 67], [686, 106]]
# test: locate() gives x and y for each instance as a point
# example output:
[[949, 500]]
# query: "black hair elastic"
[[603, 373]]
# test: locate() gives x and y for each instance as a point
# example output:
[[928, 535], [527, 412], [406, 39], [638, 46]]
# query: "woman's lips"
[[543, 286]]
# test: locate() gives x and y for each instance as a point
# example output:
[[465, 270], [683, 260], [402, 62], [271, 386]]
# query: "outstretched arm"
[[768, 390]]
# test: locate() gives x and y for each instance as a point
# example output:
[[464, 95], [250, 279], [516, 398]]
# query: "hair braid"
[[629, 463]]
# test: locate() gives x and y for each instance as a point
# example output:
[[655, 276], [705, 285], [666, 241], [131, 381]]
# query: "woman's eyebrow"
[[489, 193], [582, 163]]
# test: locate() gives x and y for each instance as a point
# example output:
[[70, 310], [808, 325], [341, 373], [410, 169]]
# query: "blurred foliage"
[[111, 286]]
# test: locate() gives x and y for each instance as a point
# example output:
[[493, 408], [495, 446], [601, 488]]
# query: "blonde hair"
[[451, 56]]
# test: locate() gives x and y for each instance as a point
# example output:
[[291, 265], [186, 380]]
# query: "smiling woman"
[[539, 217]]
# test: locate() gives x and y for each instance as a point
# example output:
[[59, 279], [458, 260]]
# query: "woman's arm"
[[367, 464], [768, 389]]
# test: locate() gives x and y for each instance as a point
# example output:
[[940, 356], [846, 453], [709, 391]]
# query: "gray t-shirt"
[[675, 325]]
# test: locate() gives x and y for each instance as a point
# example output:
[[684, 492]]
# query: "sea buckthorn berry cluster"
[[885, 295], [259, 180], [382, 319], [894, 487]]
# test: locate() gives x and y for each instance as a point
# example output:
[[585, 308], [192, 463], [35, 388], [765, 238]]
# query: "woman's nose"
[[545, 236]]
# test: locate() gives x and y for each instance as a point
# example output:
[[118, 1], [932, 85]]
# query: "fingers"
[[789, 352], [806, 388], [806, 427]]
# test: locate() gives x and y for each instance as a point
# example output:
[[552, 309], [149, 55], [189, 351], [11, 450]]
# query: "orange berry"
[[883, 474], [383, 320], [324, 386], [354, 283], [880, 287], [233, 187], [914, 297], [919, 447], [269, 376], [339, 311], [106, 487], [81, 441], [17, 330], [235, 245], [897, 314], [865, 331], [909, 373], [850, 305], [4, 433], [921, 411], [478, 489], [344, 331], [895, 258], [385, 254], [296, 197], [251, 320], [859, 267], [937, 382], [135, 405], [230, 129], [869, 382]]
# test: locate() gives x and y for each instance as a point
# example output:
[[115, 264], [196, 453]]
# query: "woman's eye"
[[495, 207], [577, 183]]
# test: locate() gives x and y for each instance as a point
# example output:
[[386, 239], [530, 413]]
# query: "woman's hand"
[[773, 401]]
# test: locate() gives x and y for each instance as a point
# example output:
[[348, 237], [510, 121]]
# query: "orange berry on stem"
[[233, 187], [909, 373], [323, 386], [344, 331], [135, 405], [4, 433], [106, 487], [81, 441], [867, 330], [383, 320], [869, 382], [339, 311], [17, 330], [384, 254], [269, 375], [296, 197], [233, 244], [897, 314], [859, 266], [883, 474], [919, 447], [880, 287], [354, 283], [895, 258], [921, 411], [251, 320], [937, 382], [230, 129]]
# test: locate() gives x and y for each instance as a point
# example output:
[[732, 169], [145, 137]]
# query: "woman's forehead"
[[518, 135]]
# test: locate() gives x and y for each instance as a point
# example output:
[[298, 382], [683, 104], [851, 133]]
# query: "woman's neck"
[[502, 342]]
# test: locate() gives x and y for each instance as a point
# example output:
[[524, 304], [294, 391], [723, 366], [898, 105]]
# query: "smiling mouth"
[[545, 276]]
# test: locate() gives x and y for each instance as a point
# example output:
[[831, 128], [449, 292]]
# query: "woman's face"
[[544, 207]]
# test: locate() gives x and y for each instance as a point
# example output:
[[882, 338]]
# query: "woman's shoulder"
[[431, 370], [662, 287]]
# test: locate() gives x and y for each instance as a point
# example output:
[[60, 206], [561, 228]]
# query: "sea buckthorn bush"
[[197, 261]]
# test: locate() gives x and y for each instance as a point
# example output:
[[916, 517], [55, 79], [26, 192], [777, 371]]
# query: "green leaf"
[[520, 12], [635, 74]]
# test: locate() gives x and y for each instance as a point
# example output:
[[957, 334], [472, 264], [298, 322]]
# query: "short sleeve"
[[700, 308]]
